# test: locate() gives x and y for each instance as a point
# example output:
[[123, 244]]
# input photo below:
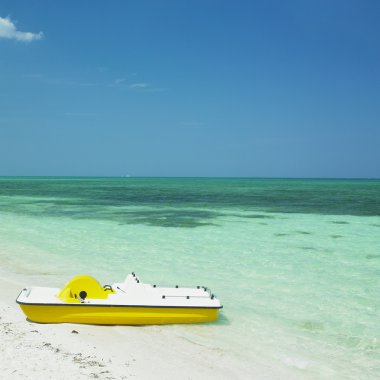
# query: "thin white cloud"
[[145, 87], [155, 89], [119, 81], [122, 83], [139, 85], [8, 30]]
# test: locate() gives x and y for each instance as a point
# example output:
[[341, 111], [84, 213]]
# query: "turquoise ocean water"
[[296, 263]]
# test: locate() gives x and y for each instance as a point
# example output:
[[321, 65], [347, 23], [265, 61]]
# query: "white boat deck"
[[131, 292]]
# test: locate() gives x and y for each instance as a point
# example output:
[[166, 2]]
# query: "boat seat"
[[82, 287]]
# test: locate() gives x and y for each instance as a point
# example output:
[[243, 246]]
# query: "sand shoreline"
[[62, 351]]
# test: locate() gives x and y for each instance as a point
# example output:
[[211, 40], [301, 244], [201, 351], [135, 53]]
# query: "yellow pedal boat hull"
[[116, 315]]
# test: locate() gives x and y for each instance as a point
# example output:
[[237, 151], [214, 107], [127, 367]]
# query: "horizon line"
[[188, 177]]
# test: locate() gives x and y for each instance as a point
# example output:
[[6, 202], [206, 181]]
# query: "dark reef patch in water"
[[372, 257], [339, 222], [159, 217], [311, 326], [308, 248], [336, 236], [165, 218], [303, 232], [256, 216], [280, 234]]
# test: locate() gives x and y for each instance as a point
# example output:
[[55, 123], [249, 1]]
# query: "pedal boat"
[[84, 300]]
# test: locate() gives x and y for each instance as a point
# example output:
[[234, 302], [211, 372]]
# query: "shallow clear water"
[[296, 263]]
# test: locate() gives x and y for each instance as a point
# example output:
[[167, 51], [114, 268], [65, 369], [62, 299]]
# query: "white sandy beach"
[[63, 351]]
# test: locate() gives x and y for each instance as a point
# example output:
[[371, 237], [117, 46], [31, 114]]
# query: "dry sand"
[[66, 351]]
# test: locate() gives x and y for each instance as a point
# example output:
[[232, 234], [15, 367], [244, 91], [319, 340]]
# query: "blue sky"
[[190, 88]]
